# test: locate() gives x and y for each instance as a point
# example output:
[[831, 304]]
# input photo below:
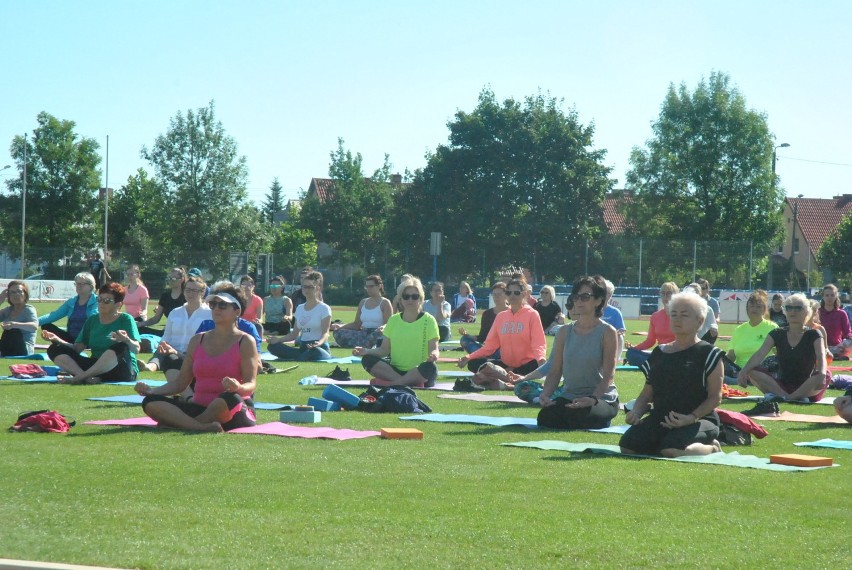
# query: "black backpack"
[[392, 399]]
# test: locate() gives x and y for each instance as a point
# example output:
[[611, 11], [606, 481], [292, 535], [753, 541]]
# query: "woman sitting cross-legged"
[[111, 335], [469, 342], [77, 309], [519, 336], [278, 308], [801, 361], [223, 362], [583, 356], [438, 307], [409, 350], [370, 317], [659, 328], [181, 325], [683, 379], [310, 331], [171, 299], [19, 320]]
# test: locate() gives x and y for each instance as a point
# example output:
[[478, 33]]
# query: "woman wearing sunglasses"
[[409, 350], [77, 309], [801, 362], [112, 337], [311, 329], [583, 358], [518, 335], [278, 308], [223, 362], [171, 299]]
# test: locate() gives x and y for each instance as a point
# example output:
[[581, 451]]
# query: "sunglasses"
[[106, 300], [794, 307], [193, 290], [172, 278], [275, 286], [411, 297], [513, 292], [220, 305], [306, 287], [581, 296], [79, 284]]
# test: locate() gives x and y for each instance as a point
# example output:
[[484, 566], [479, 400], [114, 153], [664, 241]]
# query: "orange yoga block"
[[401, 433], [801, 460]]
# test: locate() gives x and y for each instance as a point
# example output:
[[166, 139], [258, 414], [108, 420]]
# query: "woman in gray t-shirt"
[[19, 321], [584, 358]]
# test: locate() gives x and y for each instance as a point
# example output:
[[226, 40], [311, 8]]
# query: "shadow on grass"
[[576, 456], [120, 430]]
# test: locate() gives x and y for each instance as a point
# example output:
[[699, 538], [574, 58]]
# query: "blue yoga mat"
[[500, 421], [43, 379], [732, 459], [36, 356], [136, 399], [626, 367], [832, 443]]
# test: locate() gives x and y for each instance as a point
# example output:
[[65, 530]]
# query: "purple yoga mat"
[[444, 386], [286, 430], [483, 398]]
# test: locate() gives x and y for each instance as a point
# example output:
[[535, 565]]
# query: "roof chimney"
[[396, 179]]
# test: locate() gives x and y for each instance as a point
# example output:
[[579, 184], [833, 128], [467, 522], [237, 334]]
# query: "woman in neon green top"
[[749, 336], [409, 350]]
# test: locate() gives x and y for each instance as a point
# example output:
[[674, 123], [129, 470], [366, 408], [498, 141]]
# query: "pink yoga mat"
[[286, 430], [444, 386], [483, 398], [144, 421], [804, 418]]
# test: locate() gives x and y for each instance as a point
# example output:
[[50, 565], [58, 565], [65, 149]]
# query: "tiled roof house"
[[808, 222]]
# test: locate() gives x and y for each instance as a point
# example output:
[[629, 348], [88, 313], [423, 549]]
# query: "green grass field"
[[142, 498]]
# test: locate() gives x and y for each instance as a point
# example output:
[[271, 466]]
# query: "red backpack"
[[42, 421]]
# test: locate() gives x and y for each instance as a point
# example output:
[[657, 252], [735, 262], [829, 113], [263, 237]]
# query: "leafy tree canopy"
[[518, 183], [707, 171], [835, 252], [274, 201], [63, 178]]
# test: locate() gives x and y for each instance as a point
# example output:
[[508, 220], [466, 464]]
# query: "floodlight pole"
[[24, 212]]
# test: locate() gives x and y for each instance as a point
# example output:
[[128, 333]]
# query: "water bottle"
[[308, 380]]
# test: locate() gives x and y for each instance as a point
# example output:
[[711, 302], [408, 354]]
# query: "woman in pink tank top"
[[224, 364]]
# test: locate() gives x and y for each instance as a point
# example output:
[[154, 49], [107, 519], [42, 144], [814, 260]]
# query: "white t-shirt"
[[181, 327], [310, 322]]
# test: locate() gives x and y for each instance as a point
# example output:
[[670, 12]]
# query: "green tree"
[[63, 178], [835, 252], [706, 173], [274, 201], [352, 217], [294, 246], [207, 212], [137, 223], [519, 183]]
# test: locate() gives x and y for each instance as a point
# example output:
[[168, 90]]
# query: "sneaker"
[[466, 385], [764, 408], [340, 374]]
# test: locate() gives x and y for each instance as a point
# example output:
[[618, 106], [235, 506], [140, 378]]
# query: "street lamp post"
[[774, 186], [24, 213], [775, 158]]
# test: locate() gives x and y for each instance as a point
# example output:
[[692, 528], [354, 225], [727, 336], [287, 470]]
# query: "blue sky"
[[289, 78]]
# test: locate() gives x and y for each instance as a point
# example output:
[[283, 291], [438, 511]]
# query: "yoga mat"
[[449, 342], [832, 443], [136, 399], [36, 356], [43, 379], [829, 400], [476, 397], [141, 422], [626, 367], [443, 386], [455, 373], [268, 356], [447, 359], [500, 421], [732, 459], [286, 430], [804, 418], [152, 383]]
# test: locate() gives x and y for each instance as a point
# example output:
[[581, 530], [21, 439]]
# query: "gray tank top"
[[582, 363]]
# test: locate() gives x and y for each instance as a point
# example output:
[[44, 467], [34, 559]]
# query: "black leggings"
[[558, 416], [427, 369], [243, 418], [61, 333], [524, 369], [12, 343]]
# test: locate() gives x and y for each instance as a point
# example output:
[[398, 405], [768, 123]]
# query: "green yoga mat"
[[830, 443], [731, 459]]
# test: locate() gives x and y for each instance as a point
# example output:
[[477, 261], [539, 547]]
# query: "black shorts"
[[167, 362], [122, 372], [648, 436], [243, 418]]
